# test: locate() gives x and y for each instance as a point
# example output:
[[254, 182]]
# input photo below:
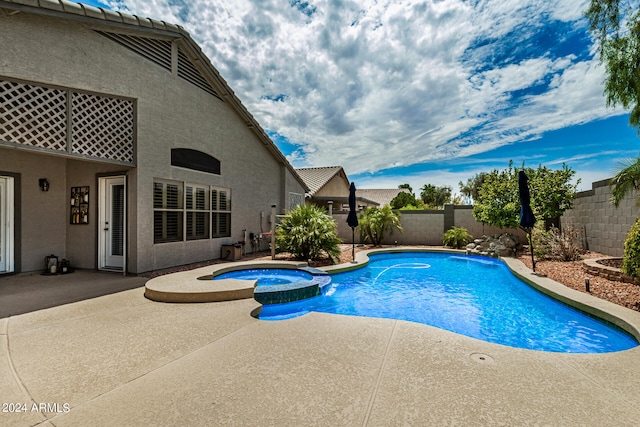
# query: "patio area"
[[121, 359]]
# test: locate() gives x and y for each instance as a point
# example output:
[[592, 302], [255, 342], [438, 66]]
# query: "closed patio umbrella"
[[527, 219], [352, 218]]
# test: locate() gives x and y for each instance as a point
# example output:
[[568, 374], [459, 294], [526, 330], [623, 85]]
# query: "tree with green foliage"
[[552, 192], [498, 201], [375, 222], [308, 232], [434, 196], [471, 189], [406, 186], [458, 200], [404, 200], [616, 27]]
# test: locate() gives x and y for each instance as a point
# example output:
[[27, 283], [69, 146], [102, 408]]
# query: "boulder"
[[496, 246]]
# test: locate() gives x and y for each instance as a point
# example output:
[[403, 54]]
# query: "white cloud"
[[374, 83]]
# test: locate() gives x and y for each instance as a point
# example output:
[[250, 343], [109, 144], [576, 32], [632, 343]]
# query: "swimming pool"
[[471, 295]]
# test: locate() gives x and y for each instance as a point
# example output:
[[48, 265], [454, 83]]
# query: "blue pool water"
[[470, 295], [267, 276]]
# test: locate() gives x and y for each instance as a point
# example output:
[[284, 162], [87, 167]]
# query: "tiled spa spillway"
[[294, 291]]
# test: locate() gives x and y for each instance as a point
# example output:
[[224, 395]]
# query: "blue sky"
[[409, 91]]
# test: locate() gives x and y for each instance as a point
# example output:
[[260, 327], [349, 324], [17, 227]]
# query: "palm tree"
[[625, 180], [375, 222], [307, 232]]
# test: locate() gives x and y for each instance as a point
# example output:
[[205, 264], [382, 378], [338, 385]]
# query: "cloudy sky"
[[424, 91]]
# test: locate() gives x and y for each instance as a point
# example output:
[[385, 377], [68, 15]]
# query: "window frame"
[[189, 210]]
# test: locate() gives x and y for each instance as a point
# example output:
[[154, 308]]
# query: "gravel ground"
[[571, 274]]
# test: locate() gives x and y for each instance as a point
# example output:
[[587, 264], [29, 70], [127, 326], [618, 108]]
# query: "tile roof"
[[382, 196], [84, 13], [316, 178]]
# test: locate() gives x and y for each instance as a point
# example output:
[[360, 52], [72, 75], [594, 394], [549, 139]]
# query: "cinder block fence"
[[603, 228], [428, 227]]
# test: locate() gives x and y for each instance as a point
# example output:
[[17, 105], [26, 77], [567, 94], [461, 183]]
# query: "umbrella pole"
[[353, 243], [533, 261]]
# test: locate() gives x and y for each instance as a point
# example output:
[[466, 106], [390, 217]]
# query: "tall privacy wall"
[[603, 227], [428, 227]]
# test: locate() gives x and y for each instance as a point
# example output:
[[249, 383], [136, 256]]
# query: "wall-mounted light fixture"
[[44, 184]]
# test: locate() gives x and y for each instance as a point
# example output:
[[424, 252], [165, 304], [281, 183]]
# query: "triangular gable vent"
[[158, 51], [188, 71]]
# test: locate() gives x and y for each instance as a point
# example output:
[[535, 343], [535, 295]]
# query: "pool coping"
[[196, 285]]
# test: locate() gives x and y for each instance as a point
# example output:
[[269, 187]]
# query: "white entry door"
[[112, 223], [6, 224]]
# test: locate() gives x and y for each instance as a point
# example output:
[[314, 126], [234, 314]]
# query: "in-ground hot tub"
[[280, 285]]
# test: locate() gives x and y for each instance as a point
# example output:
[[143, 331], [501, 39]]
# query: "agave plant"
[[308, 232]]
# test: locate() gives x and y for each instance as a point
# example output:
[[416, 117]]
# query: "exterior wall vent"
[[65, 121], [188, 71], [155, 50]]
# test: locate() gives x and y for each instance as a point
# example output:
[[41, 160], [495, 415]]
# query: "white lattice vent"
[[158, 51], [190, 73], [37, 116], [33, 115], [102, 127]]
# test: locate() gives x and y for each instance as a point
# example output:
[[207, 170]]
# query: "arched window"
[[194, 159]]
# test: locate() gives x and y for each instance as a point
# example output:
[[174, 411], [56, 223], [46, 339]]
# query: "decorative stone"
[[508, 241], [502, 250], [495, 246]]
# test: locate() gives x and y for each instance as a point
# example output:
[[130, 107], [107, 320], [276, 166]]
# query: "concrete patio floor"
[[123, 360]]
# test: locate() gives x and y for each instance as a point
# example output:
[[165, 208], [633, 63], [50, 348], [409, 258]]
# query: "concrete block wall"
[[428, 227], [464, 218], [603, 227]]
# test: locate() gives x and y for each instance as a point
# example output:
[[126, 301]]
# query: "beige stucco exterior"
[[170, 112]]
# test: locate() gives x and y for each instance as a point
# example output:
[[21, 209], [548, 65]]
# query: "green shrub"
[[375, 222], [456, 237], [631, 257], [541, 238], [308, 232]]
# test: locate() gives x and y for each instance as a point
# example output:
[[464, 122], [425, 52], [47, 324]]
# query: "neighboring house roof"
[[316, 178], [381, 196], [122, 21]]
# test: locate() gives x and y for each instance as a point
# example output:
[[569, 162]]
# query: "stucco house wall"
[[337, 186], [63, 51]]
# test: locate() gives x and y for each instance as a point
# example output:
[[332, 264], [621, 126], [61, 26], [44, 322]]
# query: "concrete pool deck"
[[123, 360]]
